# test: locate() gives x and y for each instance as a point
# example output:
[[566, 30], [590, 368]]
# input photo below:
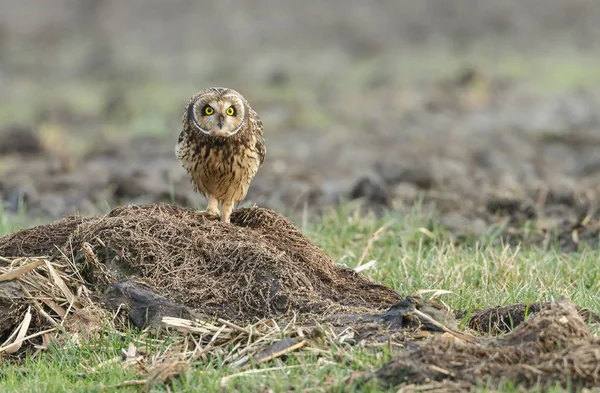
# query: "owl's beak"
[[220, 122]]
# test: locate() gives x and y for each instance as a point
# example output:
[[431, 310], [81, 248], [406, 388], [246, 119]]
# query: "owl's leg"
[[226, 209], [212, 211]]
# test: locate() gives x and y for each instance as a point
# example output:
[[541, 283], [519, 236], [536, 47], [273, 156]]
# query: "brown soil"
[[503, 319], [552, 347], [479, 200], [260, 266], [485, 151]]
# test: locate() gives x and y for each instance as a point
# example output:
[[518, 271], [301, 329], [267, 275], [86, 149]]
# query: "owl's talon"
[[207, 214]]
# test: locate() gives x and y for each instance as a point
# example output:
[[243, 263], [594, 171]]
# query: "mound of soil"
[[552, 347], [503, 319], [258, 266]]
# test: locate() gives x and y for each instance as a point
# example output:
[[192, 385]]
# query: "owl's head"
[[217, 111]]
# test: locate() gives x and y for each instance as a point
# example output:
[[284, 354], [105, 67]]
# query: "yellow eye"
[[230, 111], [209, 110]]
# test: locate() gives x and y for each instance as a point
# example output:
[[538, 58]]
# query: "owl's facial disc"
[[222, 117]]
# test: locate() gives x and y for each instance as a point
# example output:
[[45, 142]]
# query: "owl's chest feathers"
[[221, 167]]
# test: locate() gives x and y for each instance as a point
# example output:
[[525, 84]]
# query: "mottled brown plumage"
[[221, 146]]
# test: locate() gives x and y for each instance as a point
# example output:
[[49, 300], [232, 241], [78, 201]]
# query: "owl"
[[221, 146]]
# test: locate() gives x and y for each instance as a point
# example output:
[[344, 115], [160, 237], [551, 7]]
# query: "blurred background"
[[478, 109]]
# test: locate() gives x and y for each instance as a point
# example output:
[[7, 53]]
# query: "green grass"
[[479, 274], [408, 258], [14, 221]]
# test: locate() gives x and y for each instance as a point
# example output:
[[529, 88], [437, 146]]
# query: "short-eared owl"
[[221, 146]]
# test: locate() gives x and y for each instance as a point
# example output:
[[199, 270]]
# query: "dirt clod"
[[503, 319], [144, 307], [554, 346], [20, 140]]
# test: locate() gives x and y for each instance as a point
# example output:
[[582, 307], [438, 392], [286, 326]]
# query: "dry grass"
[[38, 294], [55, 306], [261, 267]]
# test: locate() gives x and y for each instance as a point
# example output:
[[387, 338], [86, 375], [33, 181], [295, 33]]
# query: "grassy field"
[[340, 90], [408, 257]]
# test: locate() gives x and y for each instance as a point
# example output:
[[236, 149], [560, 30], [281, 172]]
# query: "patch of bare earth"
[[553, 347]]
